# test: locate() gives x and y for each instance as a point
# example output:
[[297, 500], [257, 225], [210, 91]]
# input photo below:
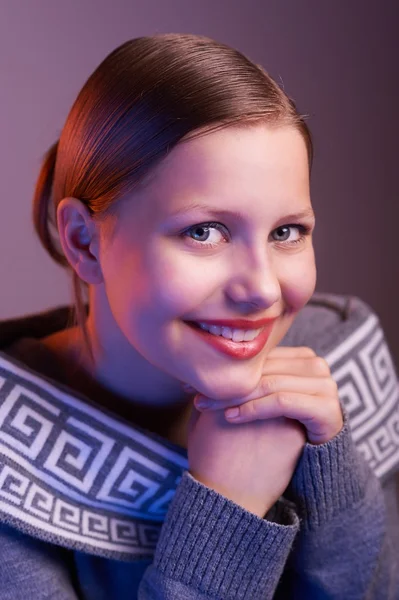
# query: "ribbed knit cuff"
[[217, 547], [329, 479]]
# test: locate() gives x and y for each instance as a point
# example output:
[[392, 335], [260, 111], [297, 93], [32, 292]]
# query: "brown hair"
[[145, 97]]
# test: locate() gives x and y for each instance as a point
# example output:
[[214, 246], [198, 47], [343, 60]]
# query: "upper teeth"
[[237, 335]]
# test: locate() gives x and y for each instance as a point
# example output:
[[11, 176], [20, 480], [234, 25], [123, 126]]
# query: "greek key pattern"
[[363, 369], [85, 480], [78, 475]]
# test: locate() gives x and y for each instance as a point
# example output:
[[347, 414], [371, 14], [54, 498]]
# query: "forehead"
[[232, 168]]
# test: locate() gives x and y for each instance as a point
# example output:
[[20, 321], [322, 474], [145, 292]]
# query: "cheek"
[[298, 281], [182, 283], [127, 280]]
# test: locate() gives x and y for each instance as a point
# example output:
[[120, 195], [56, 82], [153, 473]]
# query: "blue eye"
[[282, 234], [202, 234]]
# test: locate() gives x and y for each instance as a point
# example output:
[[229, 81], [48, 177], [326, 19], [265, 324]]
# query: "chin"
[[232, 387]]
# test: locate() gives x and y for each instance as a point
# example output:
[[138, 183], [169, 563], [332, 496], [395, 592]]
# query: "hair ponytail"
[[43, 210]]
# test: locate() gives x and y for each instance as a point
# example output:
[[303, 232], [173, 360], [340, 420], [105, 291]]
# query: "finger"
[[322, 419], [272, 384], [310, 367], [291, 352], [279, 352], [312, 386]]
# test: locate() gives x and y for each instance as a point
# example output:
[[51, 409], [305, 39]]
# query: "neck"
[[132, 393]]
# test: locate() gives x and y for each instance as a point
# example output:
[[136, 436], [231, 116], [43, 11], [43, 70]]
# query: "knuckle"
[[332, 386], [307, 352], [332, 411], [320, 366], [281, 399], [335, 406], [269, 385], [253, 410]]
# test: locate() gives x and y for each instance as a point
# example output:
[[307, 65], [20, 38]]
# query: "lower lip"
[[240, 350]]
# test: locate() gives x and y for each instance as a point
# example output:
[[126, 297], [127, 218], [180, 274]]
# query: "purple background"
[[339, 60]]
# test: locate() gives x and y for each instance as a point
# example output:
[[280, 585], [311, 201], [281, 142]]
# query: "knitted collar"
[[79, 477], [72, 475]]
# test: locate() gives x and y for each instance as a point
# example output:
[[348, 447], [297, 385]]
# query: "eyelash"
[[303, 229]]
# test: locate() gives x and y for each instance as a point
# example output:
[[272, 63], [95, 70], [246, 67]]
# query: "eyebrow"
[[238, 216]]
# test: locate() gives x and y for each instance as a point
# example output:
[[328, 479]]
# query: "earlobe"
[[78, 238]]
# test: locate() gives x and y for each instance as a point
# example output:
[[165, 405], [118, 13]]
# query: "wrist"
[[253, 505]]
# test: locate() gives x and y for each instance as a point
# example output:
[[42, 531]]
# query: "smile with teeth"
[[236, 335]]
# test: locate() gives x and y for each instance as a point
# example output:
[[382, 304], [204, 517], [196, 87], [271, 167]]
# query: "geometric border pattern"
[[368, 387], [86, 480], [78, 476]]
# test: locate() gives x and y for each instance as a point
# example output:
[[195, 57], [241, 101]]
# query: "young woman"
[[178, 194]]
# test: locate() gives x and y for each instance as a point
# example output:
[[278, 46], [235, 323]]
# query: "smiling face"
[[211, 236]]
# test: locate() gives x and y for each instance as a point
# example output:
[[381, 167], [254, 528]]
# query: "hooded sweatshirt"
[[94, 507]]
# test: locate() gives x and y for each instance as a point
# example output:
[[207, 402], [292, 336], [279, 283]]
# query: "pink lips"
[[239, 350]]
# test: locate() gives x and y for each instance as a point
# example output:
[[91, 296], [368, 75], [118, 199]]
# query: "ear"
[[79, 239]]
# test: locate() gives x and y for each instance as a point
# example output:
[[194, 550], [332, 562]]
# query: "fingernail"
[[202, 403], [232, 413]]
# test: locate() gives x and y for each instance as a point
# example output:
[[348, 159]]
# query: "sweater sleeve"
[[343, 549], [31, 568], [210, 547]]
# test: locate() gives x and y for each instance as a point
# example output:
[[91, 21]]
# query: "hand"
[[296, 384], [251, 463]]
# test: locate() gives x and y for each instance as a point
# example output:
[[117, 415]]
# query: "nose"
[[254, 285]]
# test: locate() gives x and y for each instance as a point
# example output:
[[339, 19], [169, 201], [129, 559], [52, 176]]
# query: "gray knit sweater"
[[92, 507]]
